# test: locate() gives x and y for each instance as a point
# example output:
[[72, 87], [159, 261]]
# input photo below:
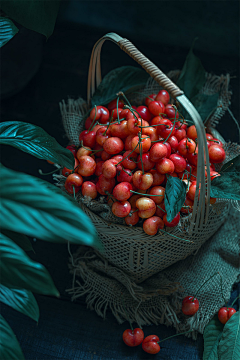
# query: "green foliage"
[[226, 186], [7, 30], [211, 336], [18, 271], [191, 80], [20, 300], [35, 141], [37, 15], [175, 194], [9, 346], [36, 210], [231, 166], [229, 345], [125, 78]]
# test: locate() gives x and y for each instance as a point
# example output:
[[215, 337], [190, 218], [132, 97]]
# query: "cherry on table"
[[190, 305], [225, 313], [150, 344], [133, 337]]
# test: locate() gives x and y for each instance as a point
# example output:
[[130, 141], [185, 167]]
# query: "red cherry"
[[89, 189], [150, 98], [173, 223], [147, 163], [121, 208], [225, 313], [170, 112], [152, 224], [73, 180], [144, 113], [133, 338], [156, 107], [113, 104], [163, 96], [122, 192], [150, 344], [216, 154], [192, 132], [179, 162], [73, 149], [102, 114], [190, 305], [113, 145], [166, 128]]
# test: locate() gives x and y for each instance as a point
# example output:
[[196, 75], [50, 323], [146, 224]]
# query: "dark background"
[[37, 74]]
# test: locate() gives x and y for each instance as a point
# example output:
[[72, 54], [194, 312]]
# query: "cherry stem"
[[235, 300], [204, 284], [132, 212], [108, 125], [140, 149], [127, 314], [117, 111], [161, 208], [111, 196], [92, 125], [120, 93], [166, 232], [186, 332], [127, 155], [51, 172], [135, 192]]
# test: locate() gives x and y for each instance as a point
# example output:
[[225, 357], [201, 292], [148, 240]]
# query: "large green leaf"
[[125, 78], [32, 208], [226, 186], [191, 80], [192, 77], [232, 165], [212, 335], [35, 141], [229, 345], [175, 195], [19, 239], [9, 346], [37, 15], [18, 271], [21, 300], [205, 104], [7, 30]]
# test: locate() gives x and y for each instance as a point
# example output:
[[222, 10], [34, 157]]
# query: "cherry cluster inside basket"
[[130, 154], [147, 162]]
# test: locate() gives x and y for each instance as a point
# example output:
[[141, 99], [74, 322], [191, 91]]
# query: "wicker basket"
[[130, 248]]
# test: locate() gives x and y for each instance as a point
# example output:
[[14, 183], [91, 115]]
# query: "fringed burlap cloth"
[[158, 299]]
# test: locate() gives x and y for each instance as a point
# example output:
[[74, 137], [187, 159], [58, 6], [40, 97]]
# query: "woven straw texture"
[[130, 249]]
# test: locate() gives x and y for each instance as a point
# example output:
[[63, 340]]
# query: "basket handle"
[[201, 208]]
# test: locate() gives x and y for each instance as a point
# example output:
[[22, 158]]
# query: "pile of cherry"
[[127, 154]]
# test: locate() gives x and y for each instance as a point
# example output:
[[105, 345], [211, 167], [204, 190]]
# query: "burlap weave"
[[130, 256]]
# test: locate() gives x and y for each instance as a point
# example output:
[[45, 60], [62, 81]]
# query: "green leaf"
[[18, 271], [37, 15], [211, 336], [42, 211], [19, 239], [125, 78], [229, 345], [9, 346], [20, 300], [205, 104], [7, 30], [175, 195], [35, 141], [226, 186], [192, 77], [231, 166]]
